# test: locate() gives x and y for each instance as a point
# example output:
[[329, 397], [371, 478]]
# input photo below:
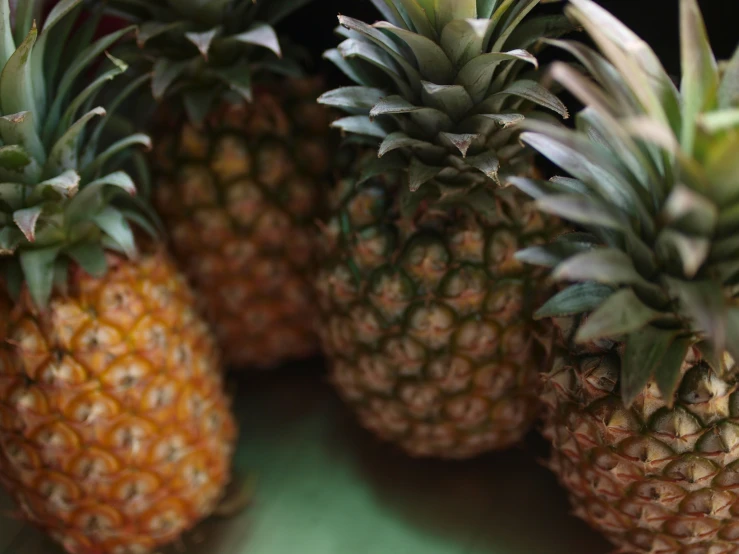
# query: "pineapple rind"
[[115, 432], [427, 323], [658, 476], [642, 404], [240, 197]]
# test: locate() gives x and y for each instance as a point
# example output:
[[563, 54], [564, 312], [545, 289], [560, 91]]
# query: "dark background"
[[654, 20]]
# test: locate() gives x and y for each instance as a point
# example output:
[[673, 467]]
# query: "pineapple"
[[425, 313], [115, 433], [241, 170], [642, 400]]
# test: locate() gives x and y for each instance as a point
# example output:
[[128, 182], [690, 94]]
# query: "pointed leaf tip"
[[26, 220]]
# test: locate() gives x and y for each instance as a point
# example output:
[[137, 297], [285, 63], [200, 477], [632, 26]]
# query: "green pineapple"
[[241, 158], [115, 432], [642, 401], [426, 314]]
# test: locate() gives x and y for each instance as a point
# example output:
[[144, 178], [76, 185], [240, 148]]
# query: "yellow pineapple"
[[115, 432], [240, 170]]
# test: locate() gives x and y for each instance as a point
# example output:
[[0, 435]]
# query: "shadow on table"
[[500, 503]]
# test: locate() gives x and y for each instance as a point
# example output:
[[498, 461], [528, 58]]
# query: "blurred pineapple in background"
[[426, 314], [115, 433], [242, 153]]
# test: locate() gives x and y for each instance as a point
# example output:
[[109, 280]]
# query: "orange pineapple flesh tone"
[[240, 197], [116, 434]]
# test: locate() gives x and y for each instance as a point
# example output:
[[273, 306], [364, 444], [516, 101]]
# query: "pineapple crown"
[[56, 195], [442, 89], [655, 189], [202, 51]]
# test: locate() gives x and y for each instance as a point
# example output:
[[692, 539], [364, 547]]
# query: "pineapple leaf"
[[90, 256], [581, 209], [98, 164], [668, 371], [461, 142], [486, 8], [576, 299], [149, 30], [204, 40], [12, 196], [644, 351], [476, 75], [716, 122], [38, 269], [419, 173], [260, 34], [433, 63], [692, 251], [10, 238], [396, 140], [529, 33], [91, 91], [7, 43], [622, 313], [57, 15], [591, 164], [112, 106], [26, 14], [198, 104], [710, 355], [378, 58], [448, 11], [703, 303], [164, 73], [603, 265], [451, 99], [464, 39], [384, 42], [732, 332], [636, 62], [380, 166], [390, 12], [361, 99], [417, 16], [64, 153], [728, 92], [26, 220], [536, 188], [238, 78], [81, 63], [119, 179], [16, 84], [115, 226], [700, 71], [14, 158], [552, 254], [393, 104], [519, 11], [351, 69], [360, 125], [536, 93], [487, 162], [66, 185]]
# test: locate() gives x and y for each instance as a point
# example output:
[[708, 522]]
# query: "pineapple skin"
[[240, 197], [653, 478], [427, 323], [115, 432]]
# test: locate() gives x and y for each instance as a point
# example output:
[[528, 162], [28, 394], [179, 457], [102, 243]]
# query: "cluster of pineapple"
[[456, 294]]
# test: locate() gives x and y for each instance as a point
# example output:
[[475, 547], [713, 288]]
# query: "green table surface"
[[325, 486]]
